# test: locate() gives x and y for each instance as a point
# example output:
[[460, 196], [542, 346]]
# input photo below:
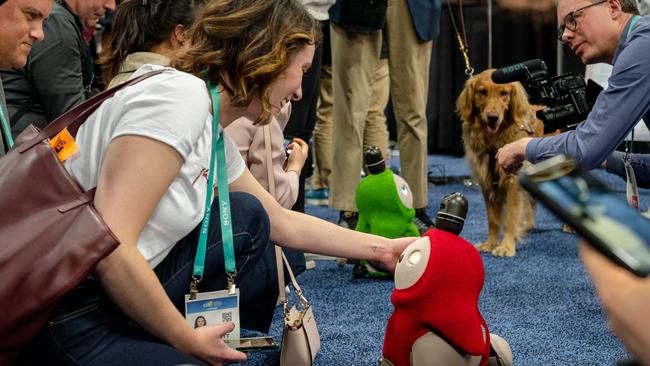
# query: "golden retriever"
[[492, 116]]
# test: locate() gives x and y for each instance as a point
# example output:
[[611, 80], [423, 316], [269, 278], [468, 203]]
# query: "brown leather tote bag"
[[51, 236]]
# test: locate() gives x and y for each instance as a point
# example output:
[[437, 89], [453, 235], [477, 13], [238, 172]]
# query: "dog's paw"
[[486, 246], [504, 251]]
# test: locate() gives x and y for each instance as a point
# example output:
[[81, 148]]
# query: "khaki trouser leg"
[[409, 78], [376, 132], [322, 147], [354, 61]]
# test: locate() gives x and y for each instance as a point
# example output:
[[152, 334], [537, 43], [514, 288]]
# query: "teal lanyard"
[[218, 151], [630, 143], [633, 22], [6, 129]]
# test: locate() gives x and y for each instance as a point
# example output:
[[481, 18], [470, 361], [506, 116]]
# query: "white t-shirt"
[[172, 107]]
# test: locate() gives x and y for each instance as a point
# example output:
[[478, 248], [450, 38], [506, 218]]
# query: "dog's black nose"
[[493, 119]]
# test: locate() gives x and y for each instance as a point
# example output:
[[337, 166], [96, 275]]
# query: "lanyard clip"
[[231, 283], [193, 287]]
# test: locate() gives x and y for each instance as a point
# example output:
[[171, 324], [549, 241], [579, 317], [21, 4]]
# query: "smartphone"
[[286, 144], [594, 211], [252, 344]]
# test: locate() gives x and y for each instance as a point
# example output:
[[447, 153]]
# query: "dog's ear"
[[465, 101], [519, 107]]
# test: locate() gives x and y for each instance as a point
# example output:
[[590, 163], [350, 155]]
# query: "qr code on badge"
[[226, 317]]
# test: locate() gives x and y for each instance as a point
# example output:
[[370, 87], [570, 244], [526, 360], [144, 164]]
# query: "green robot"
[[385, 205]]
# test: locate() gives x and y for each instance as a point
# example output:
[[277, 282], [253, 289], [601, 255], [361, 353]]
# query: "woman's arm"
[[135, 174], [308, 233]]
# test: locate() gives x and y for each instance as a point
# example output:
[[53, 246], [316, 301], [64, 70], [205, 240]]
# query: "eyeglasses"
[[571, 20]]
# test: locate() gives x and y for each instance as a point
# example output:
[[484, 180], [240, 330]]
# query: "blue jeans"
[[88, 329]]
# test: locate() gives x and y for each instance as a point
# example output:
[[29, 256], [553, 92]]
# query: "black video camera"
[[568, 98]]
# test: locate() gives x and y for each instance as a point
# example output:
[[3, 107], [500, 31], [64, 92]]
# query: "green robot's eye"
[[404, 189]]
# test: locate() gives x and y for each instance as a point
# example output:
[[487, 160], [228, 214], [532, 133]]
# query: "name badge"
[[64, 145], [211, 308]]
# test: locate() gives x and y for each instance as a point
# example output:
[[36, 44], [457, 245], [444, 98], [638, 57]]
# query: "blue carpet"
[[540, 301]]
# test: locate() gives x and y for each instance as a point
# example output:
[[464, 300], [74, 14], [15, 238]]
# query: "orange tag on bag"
[[63, 144]]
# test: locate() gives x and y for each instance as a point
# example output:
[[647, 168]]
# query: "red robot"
[[436, 321]]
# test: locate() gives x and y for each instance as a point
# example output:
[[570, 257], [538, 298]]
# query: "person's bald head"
[[21, 24]]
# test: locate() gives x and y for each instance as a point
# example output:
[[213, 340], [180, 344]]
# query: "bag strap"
[[79, 114], [282, 297], [280, 258]]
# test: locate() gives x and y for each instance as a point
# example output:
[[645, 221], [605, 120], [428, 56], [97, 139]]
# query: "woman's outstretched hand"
[[388, 260]]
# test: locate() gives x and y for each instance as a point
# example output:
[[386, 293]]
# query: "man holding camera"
[[607, 31], [21, 24], [604, 31]]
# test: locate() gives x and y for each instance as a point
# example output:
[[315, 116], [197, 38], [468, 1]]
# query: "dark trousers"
[[303, 119], [87, 328]]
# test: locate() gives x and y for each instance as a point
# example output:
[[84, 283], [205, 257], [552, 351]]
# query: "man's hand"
[[625, 298], [511, 156]]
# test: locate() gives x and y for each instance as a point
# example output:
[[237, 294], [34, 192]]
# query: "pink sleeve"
[[250, 140], [241, 131]]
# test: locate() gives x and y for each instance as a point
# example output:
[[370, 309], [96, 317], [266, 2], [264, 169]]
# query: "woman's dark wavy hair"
[[244, 45], [140, 25]]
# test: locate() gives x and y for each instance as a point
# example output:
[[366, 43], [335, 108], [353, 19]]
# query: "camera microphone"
[[522, 71]]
